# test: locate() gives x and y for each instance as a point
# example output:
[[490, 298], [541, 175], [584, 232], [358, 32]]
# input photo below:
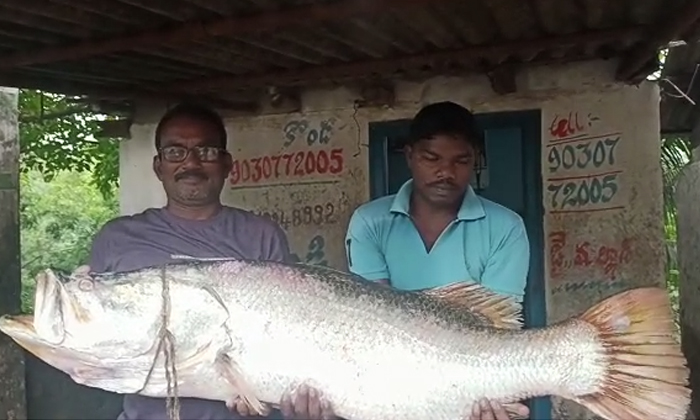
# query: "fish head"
[[21, 329], [104, 315], [123, 375]]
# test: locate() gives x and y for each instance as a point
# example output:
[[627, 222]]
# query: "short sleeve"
[[363, 250], [278, 249], [100, 250], [508, 265]]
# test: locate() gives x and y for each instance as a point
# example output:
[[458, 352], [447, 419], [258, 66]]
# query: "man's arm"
[[506, 273], [363, 252], [278, 246], [507, 268], [100, 251]]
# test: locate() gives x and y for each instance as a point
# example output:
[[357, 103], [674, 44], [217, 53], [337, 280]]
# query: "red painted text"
[[288, 165]]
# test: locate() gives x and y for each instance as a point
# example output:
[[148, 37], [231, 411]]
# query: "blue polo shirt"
[[486, 243]]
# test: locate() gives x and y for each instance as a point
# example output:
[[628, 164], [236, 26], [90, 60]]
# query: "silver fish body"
[[257, 329]]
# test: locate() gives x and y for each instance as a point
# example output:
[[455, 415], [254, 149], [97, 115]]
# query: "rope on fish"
[[166, 342], [166, 338]]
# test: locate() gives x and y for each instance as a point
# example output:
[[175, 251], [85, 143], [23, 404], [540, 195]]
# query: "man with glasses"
[[192, 163]]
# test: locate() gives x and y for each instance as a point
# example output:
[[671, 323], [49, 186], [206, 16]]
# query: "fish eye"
[[85, 285]]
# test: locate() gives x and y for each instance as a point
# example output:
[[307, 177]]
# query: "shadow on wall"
[[52, 394]]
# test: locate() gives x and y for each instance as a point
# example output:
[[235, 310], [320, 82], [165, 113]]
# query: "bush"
[[58, 219]]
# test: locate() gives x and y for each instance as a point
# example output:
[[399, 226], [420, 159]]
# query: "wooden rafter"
[[465, 58], [390, 65], [122, 94], [265, 22]]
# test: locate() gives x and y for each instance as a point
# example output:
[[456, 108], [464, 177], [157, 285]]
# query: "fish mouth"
[[48, 322], [20, 328], [18, 325], [80, 366]]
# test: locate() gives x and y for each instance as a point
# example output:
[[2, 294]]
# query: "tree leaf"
[[56, 135]]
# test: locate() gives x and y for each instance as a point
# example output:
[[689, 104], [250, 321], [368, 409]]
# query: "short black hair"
[[195, 111], [446, 118]]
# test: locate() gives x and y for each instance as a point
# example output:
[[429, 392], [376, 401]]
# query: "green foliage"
[[68, 183], [58, 133], [58, 220], [675, 154]]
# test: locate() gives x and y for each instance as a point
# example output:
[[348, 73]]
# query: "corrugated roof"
[[233, 48]]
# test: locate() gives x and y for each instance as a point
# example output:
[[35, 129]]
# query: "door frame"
[[379, 154], [529, 122]]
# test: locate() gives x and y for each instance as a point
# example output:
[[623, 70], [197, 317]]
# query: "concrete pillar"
[[12, 387], [687, 199]]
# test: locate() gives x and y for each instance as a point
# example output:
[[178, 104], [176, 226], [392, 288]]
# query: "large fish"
[[255, 329]]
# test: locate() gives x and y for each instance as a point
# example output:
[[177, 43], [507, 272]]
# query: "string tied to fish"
[[166, 344], [166, 341]]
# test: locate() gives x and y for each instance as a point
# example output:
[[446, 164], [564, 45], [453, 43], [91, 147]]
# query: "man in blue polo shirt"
[[435, 230]]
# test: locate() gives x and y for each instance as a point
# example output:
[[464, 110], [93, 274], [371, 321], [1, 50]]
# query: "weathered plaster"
[[688, 248]]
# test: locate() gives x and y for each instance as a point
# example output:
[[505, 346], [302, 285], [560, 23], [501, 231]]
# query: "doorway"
[[510, 175]]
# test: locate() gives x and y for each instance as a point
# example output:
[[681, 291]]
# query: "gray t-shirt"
[[151, 237]]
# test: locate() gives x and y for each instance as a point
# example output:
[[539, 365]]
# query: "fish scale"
[[254, 330]]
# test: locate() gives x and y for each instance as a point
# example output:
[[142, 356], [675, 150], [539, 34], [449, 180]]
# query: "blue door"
[[510, 175]]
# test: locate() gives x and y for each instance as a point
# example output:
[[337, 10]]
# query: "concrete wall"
[[600, 169], [12, 389], [687, 196]]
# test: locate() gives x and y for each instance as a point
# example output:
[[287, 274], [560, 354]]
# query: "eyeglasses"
[[177, 154]]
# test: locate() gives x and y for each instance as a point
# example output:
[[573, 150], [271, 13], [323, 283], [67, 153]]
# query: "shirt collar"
[[471, 208]]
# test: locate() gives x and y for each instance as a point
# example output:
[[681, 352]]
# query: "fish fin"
[[503, 311], [647, 374], [243, 392]]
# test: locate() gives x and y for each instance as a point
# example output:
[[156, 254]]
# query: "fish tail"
[[646, 374]]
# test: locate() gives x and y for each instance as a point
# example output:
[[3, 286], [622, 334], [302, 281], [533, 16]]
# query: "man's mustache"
[[191, 173], [447, 184]]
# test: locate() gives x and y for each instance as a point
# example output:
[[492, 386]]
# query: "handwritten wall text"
[[315, 252], [288, 165], [583, 254], [576, 192], [320, 134], [570, 124], [319, 214], [587, 153], [583, 170]]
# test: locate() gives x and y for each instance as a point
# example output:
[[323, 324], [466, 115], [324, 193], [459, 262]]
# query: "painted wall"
[[600, 169]]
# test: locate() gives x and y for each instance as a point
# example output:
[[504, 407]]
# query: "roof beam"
[[680, 22], [69, 88], [392, 64], [230, 26]]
